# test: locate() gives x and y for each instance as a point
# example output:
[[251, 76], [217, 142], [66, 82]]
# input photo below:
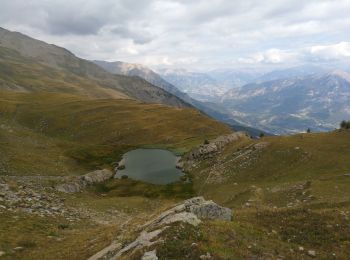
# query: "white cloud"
[[195, 34], [271, 56], [336, 51]]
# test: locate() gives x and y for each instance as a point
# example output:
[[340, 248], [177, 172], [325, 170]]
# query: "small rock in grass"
[[2, 253], [311, 253], [301, 248], [151, 255], [207, 256]]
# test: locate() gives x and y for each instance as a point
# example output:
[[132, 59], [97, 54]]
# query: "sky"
[[191, 34]]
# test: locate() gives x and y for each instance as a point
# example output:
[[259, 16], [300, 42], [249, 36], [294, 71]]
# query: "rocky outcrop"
[[207, 209], [214, 146], [107, 252], [81, 182], [191, 211]]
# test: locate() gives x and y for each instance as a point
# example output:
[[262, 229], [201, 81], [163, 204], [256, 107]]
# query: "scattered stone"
[[2, 253], [311, 253], [301, 248], [194, 245], [207, 256], [151, 255], [18, 248]]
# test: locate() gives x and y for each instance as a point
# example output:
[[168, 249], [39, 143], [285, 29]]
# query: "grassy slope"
[[289, 194], [320, 158], [26, 74], [65, 133]]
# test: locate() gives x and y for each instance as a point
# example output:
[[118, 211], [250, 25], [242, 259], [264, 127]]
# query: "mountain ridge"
[[65, 67]]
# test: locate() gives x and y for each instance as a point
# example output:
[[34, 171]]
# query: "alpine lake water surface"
[[154, 166]]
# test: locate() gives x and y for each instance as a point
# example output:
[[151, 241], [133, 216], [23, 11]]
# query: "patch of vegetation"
[[181, 242], [301, 226], [45, 240], [127, 187]]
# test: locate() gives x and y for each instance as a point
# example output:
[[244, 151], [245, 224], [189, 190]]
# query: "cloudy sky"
[[192, 34]]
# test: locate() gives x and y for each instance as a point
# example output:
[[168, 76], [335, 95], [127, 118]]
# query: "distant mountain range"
[[200, 86], [318, 102], [208, 86], [280, 101]]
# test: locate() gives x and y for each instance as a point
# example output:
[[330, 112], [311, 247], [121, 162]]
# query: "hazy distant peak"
[[342, 74]]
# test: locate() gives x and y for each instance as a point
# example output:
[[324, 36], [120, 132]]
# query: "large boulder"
[[78, 183], [97, 176], [204, 209]]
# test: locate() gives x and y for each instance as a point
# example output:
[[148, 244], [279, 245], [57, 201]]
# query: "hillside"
[[32, 65], [93, 132], [290, 196]]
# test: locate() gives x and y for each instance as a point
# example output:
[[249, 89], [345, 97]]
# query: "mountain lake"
[[156, 166]]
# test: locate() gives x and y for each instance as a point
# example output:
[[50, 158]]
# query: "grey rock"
[[151, 255], [185, 217], [311, 253], [69, 187], [214, 146], [88, 179], [207, 209], [207, 256], [97, 176], [107, 252]]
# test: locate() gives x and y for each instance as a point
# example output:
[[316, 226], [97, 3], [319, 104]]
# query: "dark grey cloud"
[[123, 31], [74, 25]]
